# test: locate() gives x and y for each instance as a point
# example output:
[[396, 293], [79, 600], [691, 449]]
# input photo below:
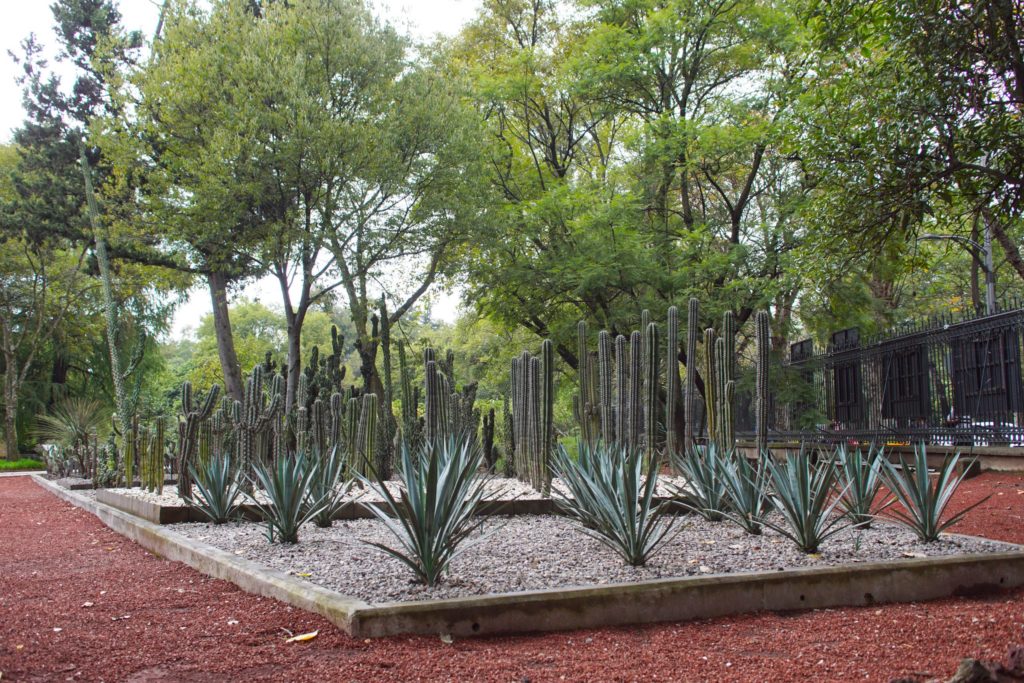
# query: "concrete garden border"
[[680, 599]]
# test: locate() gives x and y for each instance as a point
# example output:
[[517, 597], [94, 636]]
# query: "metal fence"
[[945, 381]]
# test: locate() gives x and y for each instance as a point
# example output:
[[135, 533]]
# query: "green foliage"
[[287, 484], [21, 464], [218, 487], [441, 488], [612, 501], [924, 503], [329, 485], [746, 491], [704, 491], [803, 493], [72, 421], [860, 479]]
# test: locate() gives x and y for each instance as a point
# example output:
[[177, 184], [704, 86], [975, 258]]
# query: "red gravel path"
[[79, 602]]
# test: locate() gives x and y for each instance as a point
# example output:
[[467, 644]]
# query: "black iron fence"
[[945, 381]]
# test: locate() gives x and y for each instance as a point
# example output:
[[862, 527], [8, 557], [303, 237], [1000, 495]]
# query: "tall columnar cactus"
[[533, 395], [690, 395], [410, 424], [763, 339], [253, 418], [388, 426], [156, 449], [366, 438], [547, 398], [604, 380], [193, 414], [651, 384], [710, 373], [671, 380], [487, 440], [634, 400], [508, 440], [621, 391], [129, 452], [587, 401]]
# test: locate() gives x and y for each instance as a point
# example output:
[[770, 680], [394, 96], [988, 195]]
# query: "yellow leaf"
[[303, 637], [304, 575]]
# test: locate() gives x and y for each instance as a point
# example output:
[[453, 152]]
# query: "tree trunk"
[[218, 282], [294, 361], [10, 412]]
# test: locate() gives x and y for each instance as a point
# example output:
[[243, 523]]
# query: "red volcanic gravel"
[[79, 602]]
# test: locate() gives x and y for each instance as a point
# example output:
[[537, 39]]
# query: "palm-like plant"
[[860, 479], [218, 487], [923, 502], [704, 491], [746, 491], [286, 484], [72, 421], [441, 487], [803, 493], [612, 501], [329, 486]]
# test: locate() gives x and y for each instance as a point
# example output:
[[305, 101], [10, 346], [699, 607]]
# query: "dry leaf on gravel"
[[303, 637]]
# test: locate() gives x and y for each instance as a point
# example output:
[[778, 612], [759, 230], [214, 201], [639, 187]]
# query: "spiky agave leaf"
[[924, 503], [704, 490], [218, 486], [329, 485], [746, 491], [803, 494], [286, 484], [612, 501], [441, 487], [861, 480]]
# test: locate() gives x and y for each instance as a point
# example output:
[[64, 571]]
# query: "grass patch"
[[22, 464]]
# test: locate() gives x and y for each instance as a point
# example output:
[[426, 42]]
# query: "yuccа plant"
[[433, 515], [704, 491], [803, 493], [924, 502], [611, 499], [329, 486], [746, 491], [286, 484], [859, 477], [218, 487]]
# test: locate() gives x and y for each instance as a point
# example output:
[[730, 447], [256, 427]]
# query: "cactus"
[[366, 436], [156, 449], [586, 401], [671, 381], [634, 397], [533, 395], [710, 373], [604, 379], [193, 415], [490, 452], [433, 391], [689, 396], [621, 391], [651, 385], [253, 418], [508, 439], [763, 338], [388, 427], [128, 458]]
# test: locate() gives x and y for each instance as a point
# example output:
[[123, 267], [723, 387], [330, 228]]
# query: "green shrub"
[[22, 464], [612, 501], [218, 486], [434, 513], [924, 503]]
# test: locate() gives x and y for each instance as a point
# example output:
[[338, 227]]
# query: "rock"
[[973, 671]]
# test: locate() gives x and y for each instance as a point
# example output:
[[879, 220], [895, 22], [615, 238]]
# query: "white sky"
[[422, 19]]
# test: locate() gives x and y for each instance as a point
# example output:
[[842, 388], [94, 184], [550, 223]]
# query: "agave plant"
[[218, 487], [612, 501], [441, 488], [923, 502], [802, 492], [329, 486], [859, 476], [289, 505], [704, 491], [746, 491]]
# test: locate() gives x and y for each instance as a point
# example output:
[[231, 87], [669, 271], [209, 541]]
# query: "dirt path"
[[78, 602]]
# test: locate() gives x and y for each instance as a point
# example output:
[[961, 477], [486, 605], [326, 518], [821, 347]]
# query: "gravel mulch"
[[537, 552], [79, 602]]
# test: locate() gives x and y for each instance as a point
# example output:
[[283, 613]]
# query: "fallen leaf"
[[704, 569], [87, 604], [125, 616], [906, 554], [814, 556], [303, 637], [736, 546], [19, 647], [57, 629], [446, 638], [304, 575]]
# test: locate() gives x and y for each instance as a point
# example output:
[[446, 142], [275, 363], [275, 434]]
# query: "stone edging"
[[559, 609]]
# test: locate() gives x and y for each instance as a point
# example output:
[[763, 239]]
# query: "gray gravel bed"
[[538, 552]]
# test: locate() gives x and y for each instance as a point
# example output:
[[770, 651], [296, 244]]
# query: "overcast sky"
[[422, 19]]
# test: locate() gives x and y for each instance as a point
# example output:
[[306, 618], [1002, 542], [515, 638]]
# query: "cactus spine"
[[763, 339]]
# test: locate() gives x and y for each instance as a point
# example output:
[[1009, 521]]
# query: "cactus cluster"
[[763, 339], [194, 414]]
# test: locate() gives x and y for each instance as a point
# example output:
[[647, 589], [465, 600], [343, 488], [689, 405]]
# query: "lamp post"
[[982, 253]]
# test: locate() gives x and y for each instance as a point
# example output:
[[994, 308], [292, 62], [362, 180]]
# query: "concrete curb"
[[562, 609]]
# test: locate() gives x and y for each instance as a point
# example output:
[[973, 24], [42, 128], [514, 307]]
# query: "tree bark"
[[11, 410], [218, 282]]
